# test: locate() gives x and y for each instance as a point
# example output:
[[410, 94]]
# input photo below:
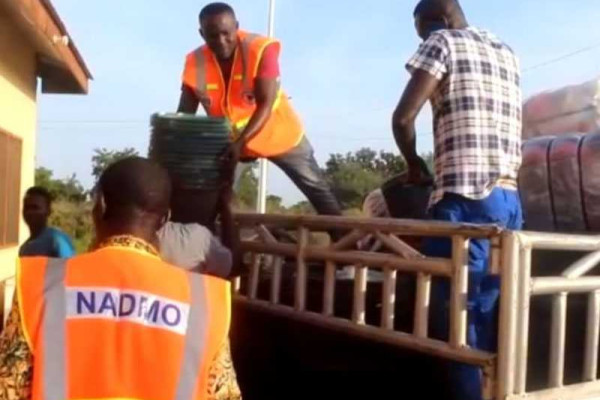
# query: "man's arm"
[[265, 93], [188, 102], [229, 233], [266, 88], [419, 90]]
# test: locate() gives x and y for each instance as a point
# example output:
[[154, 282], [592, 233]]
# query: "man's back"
[[194, 248], [133, 326], [477, 110]]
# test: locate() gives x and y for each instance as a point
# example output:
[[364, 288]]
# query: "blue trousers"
[[502, 207]]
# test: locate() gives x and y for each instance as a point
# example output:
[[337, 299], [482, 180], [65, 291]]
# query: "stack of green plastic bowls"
[[189, 147]]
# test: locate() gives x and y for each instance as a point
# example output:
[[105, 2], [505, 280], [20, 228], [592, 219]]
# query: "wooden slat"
[[276, 264], [509, 298], [552, 285], [434, 266], [557, 341], [422, 305], [388, 301], [329, 289], [523, 320], [397, 245], [375, 334], [495, 255], [254, 276], [301, 269], [583, 266], [581, 391], [590, 366], [458, 296], [405, 227], [349, 240], [265, 234], [237, 283], [560, 241], [360, 295], [276, 280]]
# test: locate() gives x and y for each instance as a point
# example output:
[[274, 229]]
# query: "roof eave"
[[60, 65]]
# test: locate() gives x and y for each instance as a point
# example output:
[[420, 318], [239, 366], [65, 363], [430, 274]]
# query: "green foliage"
[[69, 189], [71, 212], [303, 207], [103, 158], [275, 205], [353, 175], [247, 190], [75, 219]]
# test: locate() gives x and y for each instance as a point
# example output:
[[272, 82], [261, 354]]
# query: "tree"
[[247, 189], [103, 158], [275, 205], [71, 212], [353, 175], [303, 207], [75, 219], [69, 189]]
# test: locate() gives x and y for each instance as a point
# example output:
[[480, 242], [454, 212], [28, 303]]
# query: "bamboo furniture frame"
[[505, 373]]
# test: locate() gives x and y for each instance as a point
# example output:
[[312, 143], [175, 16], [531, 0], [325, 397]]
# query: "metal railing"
[[519, 287]]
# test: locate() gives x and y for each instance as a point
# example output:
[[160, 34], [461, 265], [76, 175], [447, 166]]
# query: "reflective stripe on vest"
[[200, 72], [245, 46], [194, 341], [54, 327], [54, 335], [241, 124]]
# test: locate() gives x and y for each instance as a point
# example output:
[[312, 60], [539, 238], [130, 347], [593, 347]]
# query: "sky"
[[342, 63]]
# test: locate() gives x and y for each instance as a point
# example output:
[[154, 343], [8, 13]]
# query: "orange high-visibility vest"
[[282, 132], [120, 324]]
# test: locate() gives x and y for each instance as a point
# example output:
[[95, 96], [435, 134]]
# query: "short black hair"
[[435, 7], [214, 9], [41, 192], [135, 185]]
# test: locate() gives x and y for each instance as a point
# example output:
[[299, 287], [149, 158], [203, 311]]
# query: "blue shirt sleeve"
[[63, 246]]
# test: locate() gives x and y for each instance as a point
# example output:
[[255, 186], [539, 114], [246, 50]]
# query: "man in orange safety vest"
[[118, 322], [236, 75]]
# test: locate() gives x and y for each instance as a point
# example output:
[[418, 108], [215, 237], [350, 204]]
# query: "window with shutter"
[[10, 189]]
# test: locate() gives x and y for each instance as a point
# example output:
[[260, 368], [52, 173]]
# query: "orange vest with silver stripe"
[[282, 132], [120, 324]]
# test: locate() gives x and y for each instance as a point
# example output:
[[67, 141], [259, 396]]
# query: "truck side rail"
[[267, 254], [519, 287], [505, 373]]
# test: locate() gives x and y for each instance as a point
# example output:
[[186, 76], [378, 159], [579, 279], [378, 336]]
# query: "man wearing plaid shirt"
[[472, 81]]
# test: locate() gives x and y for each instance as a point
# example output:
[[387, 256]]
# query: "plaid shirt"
[[477, 111]]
